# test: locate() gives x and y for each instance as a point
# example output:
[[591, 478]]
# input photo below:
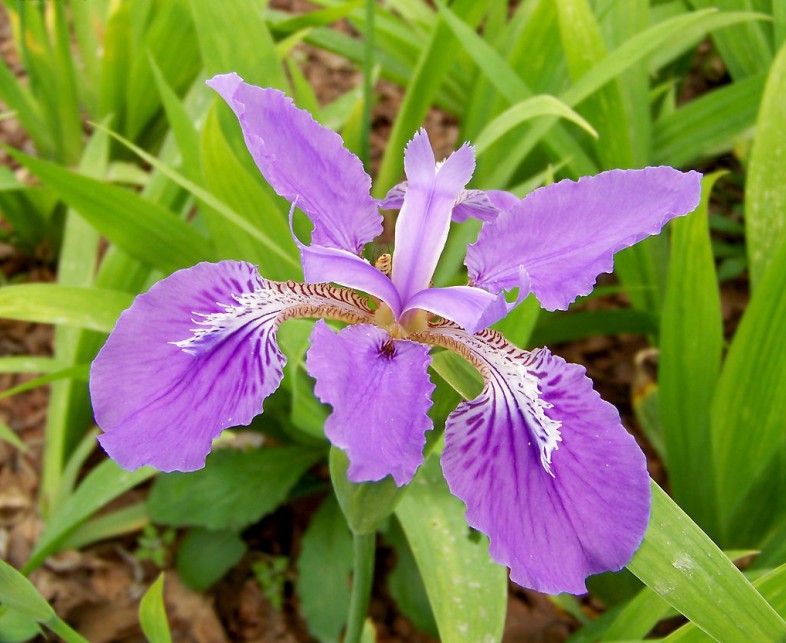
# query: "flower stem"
[[368, 72], [363, 574]]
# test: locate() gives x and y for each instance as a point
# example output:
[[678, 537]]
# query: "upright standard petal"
[[562, 236], [423, 223], [195, 355], [306, 162], [479, 204], [380, 393], [545, 467]]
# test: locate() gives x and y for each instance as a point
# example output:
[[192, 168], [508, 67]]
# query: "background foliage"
[[134, 170]]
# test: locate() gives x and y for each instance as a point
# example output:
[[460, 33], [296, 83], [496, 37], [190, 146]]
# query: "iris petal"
[[564, 235], [322, 264], [380, 393], [423, 223], [471, 308], [545, 468], [305, 162], [479, 204], [194, 355]]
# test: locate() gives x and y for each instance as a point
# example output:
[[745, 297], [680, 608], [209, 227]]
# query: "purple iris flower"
[[542, 463]]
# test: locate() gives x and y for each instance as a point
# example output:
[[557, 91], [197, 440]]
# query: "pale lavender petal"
[[304, 161], [471, 308], [485, 205], [194, 355], [545, 468], [322, 264], [380, 393], [563, 236], [394, 199], [423, 223]]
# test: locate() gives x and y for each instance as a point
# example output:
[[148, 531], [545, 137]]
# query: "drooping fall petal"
[[194, 355], [545, 468], [380, 393]]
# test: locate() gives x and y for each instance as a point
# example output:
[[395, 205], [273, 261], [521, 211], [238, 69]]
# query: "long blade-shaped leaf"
[[92, 308], [689, 572], [765, 193], [466, 589], [145, 230], [749, 404], [690, 355]]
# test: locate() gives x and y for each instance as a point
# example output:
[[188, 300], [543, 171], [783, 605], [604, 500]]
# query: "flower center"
[[411, 322]]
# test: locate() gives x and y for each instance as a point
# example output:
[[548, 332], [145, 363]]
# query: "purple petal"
[[380, 393], [394, 199], [193, 356], [306, 162], [484, 205], [545, 469], [423, 223], [322, 264], [471, 308], [563, 236]]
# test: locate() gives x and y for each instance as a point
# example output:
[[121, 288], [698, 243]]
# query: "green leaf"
[[646, 43], [16, 627], [365, 504], [234, 490], [308, 413], [708, 124], [772, 586], [690, 356], [103, 484], [626, 622], [152, 613], [324, 569], [467, 590], [321, 18], [749, 401], [205, 556], [584, 49], [80, 372], [255, 205], [92, 308], [69, 404], [145, 230], [17, 97], [7, 434], [20, 594], [435, 58], [183, 129], [233, 36], [557, 328], [118, 54], [511, 86], [109, 525], [459, 373], [232, 217], [169, 38], [406, 586], [523, 111], [765, 190], [744, 48], [681, 564]]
